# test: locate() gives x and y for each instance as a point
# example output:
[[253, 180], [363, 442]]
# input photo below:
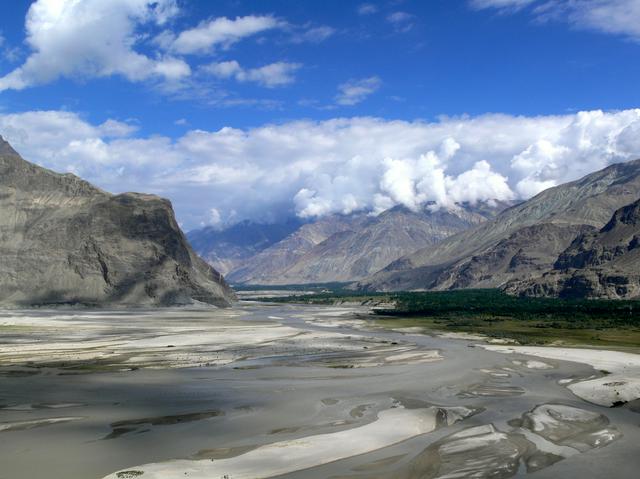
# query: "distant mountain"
[[520, 242], [348, 248], [271, 262], [602, 263], [227, 249], [65, 241]]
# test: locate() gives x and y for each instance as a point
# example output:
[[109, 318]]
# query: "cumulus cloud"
[[272, 75], [219, 32], [92, 38], [355, 91], [335, 166], [618, 17]]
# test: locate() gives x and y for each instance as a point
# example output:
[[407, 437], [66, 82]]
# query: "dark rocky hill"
[[598, 264]]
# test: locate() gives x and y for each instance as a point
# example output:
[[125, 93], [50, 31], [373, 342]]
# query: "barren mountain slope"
[[64, 241], [604, 263], [228, 249], [589, 201], [362, 246], [273, 261]]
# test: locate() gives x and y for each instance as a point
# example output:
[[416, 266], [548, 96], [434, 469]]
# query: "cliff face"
[[64, 241], [481, 256], [598, 264]]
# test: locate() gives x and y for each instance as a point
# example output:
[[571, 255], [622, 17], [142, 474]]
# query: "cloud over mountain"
[[315, 168]]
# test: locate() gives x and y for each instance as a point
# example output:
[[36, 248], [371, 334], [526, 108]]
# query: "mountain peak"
[[6, 149]]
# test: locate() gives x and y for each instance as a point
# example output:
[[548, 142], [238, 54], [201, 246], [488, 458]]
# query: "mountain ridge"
[[348, 248], [600, 263], [589, 201]]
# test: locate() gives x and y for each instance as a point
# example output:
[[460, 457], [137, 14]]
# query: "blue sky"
[[238, 109]]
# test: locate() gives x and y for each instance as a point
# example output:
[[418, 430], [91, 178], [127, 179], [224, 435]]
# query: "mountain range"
[[521, 242], [346, 248], [63, 241], [537, 247]]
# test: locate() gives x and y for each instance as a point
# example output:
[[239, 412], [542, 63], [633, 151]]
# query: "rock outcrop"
[[599, 264], [527, 252], [64, 241]]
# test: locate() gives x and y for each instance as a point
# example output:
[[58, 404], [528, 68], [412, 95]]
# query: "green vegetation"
[[495, 303], [315, 287], [606, 323]]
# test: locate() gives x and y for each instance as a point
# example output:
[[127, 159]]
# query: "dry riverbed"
[[288, 391]]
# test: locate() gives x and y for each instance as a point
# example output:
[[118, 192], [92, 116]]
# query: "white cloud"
[[621, 17], [220, 32], [215, 219], [402, 21], [92, 38], [366, 9], [355, 91], [116, 129], [272, 75], [618, 17], [313, 34], [512, 5], [339, 165]]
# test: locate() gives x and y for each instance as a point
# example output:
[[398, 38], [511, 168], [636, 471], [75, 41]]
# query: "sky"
[[266, 109]]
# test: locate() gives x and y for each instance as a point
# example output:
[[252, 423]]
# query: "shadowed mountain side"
[[228, 249], [597, 264], [64, 241], [589, 201]]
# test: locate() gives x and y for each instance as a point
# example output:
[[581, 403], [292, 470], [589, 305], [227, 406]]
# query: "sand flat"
[[621, 383], [177, 390]]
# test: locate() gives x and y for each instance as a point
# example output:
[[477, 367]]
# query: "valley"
[[215, 393]]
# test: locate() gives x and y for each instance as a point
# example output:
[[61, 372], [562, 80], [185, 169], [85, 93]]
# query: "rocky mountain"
[[64, 241], [601, 263], [229, 248], [346, 249], [273, 261], [520, 242]]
